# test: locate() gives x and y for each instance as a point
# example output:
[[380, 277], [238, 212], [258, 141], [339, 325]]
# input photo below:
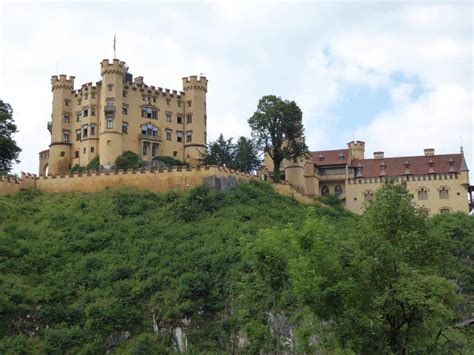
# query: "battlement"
[[114, 67], [44, 154], [62, 82], [152, 90], [407, 178], [194, 82]]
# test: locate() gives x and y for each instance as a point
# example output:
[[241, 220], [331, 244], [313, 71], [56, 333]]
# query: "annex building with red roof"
[[439, 183]]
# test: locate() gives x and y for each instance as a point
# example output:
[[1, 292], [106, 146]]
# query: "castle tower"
[[110, 111], [295, 173], [195, 120], [60, 126], [356, 150]]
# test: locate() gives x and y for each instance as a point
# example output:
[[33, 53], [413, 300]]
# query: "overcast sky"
[[397, 75]]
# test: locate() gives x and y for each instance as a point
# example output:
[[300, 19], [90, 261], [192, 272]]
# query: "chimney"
[[378, 155], [429, 152], [138, 80]]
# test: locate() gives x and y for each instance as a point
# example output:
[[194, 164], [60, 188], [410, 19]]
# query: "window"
[[189, 102], [324, 191], [86, 112], [341, 156], [66, 135], [63, 154], [84, 150], [149, 112], [86, 96], [124, 109], [445, 210], [368, 196], [76, 154], [175, 154], [168, 101], [179, 136], [93, 95], [124, 93], [109, 102], [78, 117], [189, 119], [320, 157], [168, 134], [110, 123], [92, 149], [93, 130], [125, 127], [85, 132], [425, 211], [145, 145], [338, 190], [422, 193], [78, 134], [444, 193], [179, 103], [67, 103], [168, 117], [92, 111], [79, 101], [66, 118], [189, 136], [153, 150], [110, 87], [179, 120]]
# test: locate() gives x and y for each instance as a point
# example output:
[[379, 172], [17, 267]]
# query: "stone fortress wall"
[[161, 180]]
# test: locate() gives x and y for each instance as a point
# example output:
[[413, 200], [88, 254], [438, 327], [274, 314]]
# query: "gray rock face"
[[180, 341]]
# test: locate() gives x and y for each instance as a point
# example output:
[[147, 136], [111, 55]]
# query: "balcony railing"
[[150, 137], [50, 127]]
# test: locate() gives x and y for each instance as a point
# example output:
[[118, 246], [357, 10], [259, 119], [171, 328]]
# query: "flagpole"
[[115, 38]]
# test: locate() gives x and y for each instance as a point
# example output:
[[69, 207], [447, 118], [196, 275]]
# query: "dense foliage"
[[168, 161], [277, 126], [243, 155], [247, 270], [129, 160], [9, 150]]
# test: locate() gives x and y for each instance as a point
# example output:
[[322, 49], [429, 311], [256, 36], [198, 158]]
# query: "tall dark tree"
[[246, 157], [9, 151], [219, 152], [277, 127]]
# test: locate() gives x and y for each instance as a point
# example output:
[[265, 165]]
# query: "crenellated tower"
[[110, 111], [195, 120], [60, 125], [356, 150]]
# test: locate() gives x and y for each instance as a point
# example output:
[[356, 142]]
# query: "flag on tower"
[[114, 44]]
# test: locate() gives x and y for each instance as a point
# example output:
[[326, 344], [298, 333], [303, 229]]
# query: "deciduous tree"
[[9, 150]]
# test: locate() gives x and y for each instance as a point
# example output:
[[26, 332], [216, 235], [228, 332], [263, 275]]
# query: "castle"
[[120, 114], [438, 183]]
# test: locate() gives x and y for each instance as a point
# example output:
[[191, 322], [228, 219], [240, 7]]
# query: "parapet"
[[62, 82], [114, 67], [356, 144], [194, 83]]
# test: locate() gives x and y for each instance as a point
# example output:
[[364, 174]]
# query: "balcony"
[[50, 127], [109, 110], [150, 137]]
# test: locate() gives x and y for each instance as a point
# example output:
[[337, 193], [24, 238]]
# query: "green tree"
[[128, 160], [9, 151], [246, 157], [277, 127], [219, 152]]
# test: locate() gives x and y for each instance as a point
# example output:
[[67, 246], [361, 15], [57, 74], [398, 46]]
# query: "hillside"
[[136, 272]]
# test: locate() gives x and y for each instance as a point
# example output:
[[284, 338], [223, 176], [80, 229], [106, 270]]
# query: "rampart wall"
[[176, 178]]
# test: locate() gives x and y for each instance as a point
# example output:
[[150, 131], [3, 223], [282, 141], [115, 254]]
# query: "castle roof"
[[413, 165], [330, 157]]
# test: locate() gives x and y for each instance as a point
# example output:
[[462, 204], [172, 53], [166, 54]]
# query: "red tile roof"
[[330, 157], [418, 165]]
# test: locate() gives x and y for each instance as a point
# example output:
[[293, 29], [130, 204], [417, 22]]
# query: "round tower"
[[294, 173], [59, 160], [356, 149], [195, 120], [110, 111]]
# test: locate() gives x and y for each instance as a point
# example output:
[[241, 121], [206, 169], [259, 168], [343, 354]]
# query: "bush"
[[94, 164], [129, 160], [169, 161]]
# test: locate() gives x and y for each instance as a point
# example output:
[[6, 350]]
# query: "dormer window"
[[341, 156], [321, 157]]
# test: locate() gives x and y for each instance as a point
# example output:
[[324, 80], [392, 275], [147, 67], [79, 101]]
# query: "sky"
[[397, 75]]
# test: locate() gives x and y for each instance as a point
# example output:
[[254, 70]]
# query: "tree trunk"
[[276, 171]]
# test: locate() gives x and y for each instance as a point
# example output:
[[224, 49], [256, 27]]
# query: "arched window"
[[338, 190], [324, 191], [149, 112], [149, 129], [443, 192], [423, 193]]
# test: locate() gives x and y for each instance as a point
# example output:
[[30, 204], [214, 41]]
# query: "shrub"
[[169, 161], [129, 160]]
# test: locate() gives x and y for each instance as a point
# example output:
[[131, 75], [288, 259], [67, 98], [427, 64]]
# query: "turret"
[[195, 120], [294, 173], [464, 170], [356, 149], [60, 126], [110, 111]]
